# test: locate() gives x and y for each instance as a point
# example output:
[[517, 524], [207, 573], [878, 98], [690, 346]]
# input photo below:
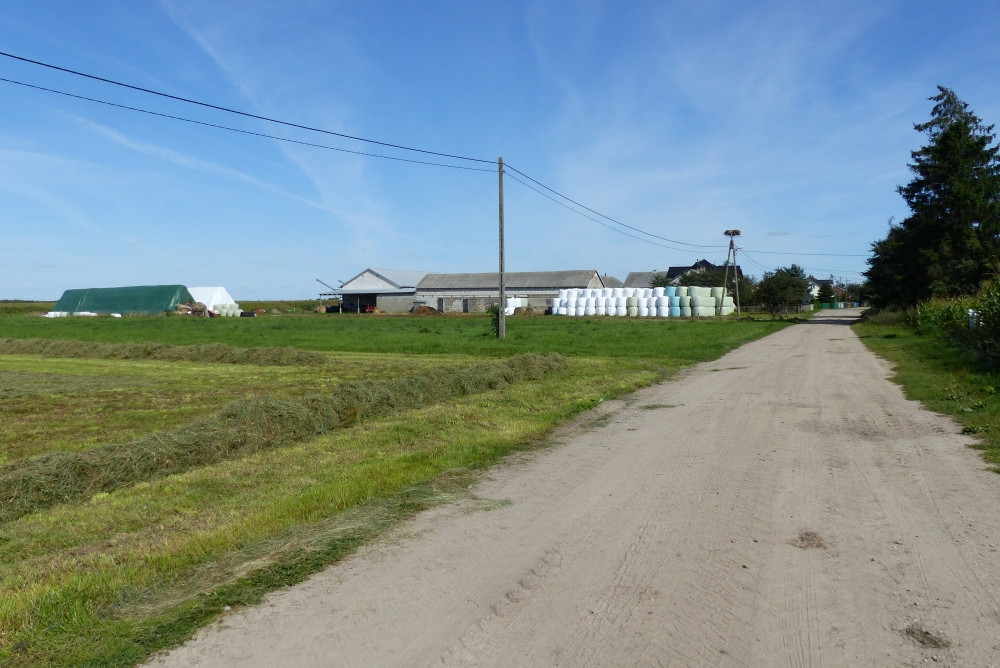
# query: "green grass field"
[[944, 378], [145, 495]]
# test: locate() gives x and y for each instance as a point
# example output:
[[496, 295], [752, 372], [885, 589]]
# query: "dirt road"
[[783, 506]]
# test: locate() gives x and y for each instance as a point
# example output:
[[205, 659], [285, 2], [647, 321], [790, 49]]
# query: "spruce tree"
[[949, 243]]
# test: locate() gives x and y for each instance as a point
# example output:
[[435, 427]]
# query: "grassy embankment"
[[134, 560], [943, 377]]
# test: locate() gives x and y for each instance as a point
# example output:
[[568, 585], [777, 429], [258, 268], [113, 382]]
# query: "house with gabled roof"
[[643, 279]]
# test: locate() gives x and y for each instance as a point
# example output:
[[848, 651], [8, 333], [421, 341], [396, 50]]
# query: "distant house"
[[477, 292], [386, 289], [642, 279], [816, 283]]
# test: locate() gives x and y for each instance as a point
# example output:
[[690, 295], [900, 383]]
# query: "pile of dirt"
[[424, 310]]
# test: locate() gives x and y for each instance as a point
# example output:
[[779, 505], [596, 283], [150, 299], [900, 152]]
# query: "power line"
[[599, 222], [246, 132], [598, 213], [812, 254], [235, 111], [748, 257], [371, 141]]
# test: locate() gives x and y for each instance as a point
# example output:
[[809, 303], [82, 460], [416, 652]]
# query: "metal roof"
[[395, 278], [639, 279], [513, 280]]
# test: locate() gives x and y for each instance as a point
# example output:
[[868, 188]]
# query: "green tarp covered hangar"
[[133, 300]]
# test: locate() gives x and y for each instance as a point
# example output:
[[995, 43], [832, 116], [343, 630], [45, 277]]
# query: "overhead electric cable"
[[563, 204], [246, 132], [236, 111], [598, 213], [748, 257], [813, 254]]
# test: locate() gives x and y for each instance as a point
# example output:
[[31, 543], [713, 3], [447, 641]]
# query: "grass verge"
[[943, 377]]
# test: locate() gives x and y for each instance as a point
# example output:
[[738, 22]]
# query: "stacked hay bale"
[[664, 302]]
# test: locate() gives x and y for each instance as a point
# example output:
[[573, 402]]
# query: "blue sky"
[[790, 121]]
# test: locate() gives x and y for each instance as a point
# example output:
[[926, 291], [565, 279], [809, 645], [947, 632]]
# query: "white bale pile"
[[664, 302]]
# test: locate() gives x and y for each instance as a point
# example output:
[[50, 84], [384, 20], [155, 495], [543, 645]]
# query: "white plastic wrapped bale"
[[659, 292], [663, 311], [682, 291], [571, 310], [600, 310], [562, 310], [717, 293], [621, 311], [685, 311], [643, 311]]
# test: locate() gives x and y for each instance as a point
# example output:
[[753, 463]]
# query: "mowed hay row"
[[244, 427], [217, 353]]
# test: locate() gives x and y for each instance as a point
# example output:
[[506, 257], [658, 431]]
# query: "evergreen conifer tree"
[[949, 243]]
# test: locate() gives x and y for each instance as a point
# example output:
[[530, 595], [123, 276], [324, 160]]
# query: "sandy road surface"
[[783, 506]]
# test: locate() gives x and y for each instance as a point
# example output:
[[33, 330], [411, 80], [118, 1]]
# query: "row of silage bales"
[[663, 302], [228, 310]]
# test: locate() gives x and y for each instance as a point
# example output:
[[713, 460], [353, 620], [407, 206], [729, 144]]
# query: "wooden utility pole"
[[502, 328], [736, 273], [732, 234]]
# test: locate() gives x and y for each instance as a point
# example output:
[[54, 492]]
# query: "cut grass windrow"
[[216, 353], [244, 426]]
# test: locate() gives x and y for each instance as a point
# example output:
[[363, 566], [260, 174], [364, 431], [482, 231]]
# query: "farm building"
[[134, 299], [477, 292], [397, 291], [389, 290]]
